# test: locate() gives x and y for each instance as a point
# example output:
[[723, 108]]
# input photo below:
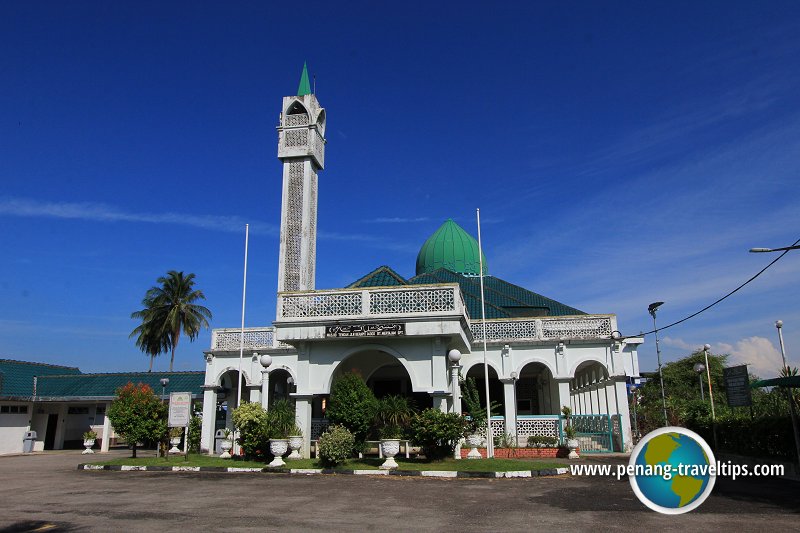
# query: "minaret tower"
[[301, 148]]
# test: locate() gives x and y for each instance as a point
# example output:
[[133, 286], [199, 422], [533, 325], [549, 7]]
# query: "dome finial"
[[304, 88]]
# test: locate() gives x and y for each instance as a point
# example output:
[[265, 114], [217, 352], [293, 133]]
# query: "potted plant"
[[226, 444], [295, 442], [281, 423], [89, 439], [570, 433], [175, 435], [391, 418]]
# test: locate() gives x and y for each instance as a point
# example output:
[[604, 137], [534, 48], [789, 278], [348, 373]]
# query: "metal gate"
[[596, 433]]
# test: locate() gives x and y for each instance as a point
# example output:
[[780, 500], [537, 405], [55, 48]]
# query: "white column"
[[564, 395], [303, 418], [265, 389], [61, 428], [104, 442], [209, 419], [440, 401], [624, 416], [510, 406], [456, 388]]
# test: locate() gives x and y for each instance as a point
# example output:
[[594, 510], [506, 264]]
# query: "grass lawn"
[[368, 463]]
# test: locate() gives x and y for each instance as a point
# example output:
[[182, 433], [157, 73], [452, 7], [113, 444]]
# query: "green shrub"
[[335, 446], [392, 417], [542, 441], [195, 427], [760, 437], [437, 433], [252, 421], [352, 405], [281, 420]]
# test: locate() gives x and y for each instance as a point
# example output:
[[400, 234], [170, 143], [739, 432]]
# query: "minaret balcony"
[[302, 142]]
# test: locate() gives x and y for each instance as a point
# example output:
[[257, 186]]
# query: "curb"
[[328, 471]]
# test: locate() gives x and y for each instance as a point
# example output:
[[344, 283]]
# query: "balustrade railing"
[[549, 328], [383, 302]]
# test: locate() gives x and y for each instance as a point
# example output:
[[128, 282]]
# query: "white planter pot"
[[226, 446], [88, 443], [390, 448], [295, 443], [573, 444], [175, 441], [473, 441], [278, 447]]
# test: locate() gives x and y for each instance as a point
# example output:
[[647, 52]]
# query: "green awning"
[[791, 381]]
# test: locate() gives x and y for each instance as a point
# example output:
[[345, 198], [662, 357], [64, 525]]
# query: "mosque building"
[[404, 336]]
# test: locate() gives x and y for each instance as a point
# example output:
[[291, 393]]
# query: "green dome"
[[452, 248]]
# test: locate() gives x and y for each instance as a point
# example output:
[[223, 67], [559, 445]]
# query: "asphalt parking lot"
[[46, 492]]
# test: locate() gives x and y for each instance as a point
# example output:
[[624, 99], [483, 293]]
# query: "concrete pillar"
[[265, 389], [510, 404], [621, 398], [455, 388], [104, 442], [564, 396], [303, 418], [58, 443], [209, 419], [440, 401]]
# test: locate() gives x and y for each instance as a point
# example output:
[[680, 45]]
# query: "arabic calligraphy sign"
[[365, 330]]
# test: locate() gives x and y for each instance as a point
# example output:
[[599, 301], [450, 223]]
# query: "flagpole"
[[241, 336], [489, 439]]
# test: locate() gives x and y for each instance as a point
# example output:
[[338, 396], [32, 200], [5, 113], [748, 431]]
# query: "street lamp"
[[633, 388], [706, 349], [782, 249], [699, 367], [516, 427], [266, 361], [164, 383], [652, 310]]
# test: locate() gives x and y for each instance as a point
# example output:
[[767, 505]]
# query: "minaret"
[[301, 148]]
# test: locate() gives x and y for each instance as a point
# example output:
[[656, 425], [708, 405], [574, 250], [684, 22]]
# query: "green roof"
[[106, 385], [16, 377], [452, 248], [503, 299], [304, 88]]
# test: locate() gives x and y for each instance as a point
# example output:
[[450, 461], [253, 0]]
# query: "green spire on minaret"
[[304, 88]]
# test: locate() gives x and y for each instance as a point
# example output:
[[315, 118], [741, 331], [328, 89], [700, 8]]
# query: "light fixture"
[[265, 360], [454, 356]]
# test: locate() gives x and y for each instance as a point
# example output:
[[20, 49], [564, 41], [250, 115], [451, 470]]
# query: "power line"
[[706, 308]]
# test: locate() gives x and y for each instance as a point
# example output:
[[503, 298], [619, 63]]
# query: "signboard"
[[180, 407], [365, 330], [737, 385]]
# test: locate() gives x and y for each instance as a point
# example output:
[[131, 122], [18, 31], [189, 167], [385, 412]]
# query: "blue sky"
[[620, 153]]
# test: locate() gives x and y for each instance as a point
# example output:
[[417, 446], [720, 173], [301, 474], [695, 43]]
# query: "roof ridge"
[[385, 268], [37, 364], [122, 374]]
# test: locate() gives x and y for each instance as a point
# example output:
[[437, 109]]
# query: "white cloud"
[[99, 212], [761, 356]]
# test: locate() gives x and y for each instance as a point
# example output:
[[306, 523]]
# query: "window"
[[101, 410], [78, 411], [14, 409]]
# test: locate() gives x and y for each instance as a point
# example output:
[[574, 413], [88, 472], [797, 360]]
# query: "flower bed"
[[512, 453]]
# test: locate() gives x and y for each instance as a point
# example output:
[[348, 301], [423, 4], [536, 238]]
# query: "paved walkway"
[[46, 492]]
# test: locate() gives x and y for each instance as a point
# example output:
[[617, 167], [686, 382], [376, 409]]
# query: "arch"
[[374, 347], [491, 364], [530, 360], [321, 121], [584, 363], [286, 368], [296, 108], [245, 378], [536, 389]]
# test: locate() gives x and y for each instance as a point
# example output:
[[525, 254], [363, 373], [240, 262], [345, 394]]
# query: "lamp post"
[[164, 383], [792, 410], [706, 349], [699, 367], [634, 388], [652, 310], [516, 426]]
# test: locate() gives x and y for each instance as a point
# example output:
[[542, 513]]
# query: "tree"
[[352, 405], [138, 415], [168, 310]]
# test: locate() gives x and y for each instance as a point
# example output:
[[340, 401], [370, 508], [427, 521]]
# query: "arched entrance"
[[537, 392], [495, 387], [226, 398]]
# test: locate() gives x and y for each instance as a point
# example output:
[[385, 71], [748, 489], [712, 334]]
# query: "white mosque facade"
[[397, 332]]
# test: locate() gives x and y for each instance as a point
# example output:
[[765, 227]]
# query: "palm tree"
[[168, 310]]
